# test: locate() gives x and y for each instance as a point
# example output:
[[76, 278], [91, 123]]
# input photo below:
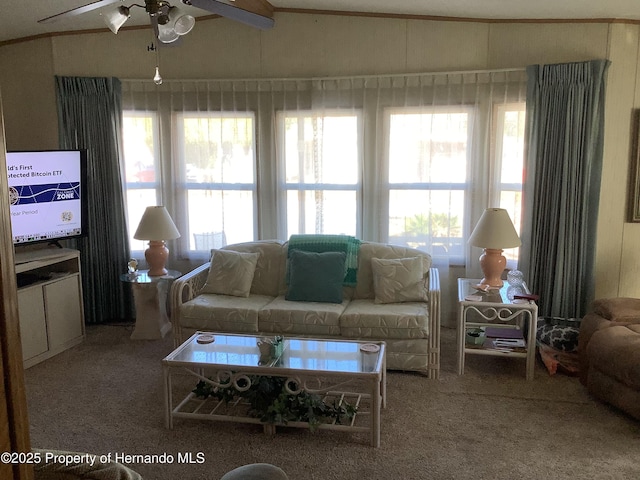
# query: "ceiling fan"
[[169, 23]]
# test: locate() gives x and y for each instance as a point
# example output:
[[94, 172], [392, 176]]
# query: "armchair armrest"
[[183, 289], [434, 324]]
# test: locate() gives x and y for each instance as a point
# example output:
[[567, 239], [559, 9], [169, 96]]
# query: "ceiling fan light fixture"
[[166, 34], [116, 18], [184, 24], [173, 24]]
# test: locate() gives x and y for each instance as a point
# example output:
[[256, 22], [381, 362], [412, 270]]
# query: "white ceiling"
[[20, 17]]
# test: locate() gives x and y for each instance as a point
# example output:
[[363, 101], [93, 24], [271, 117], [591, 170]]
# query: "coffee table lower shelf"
[[365, 420], [194, 407]]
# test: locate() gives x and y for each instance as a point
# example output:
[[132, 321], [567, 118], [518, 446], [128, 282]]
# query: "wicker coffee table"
[[340, 371]]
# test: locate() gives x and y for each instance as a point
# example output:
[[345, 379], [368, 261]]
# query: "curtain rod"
[[306, 79]]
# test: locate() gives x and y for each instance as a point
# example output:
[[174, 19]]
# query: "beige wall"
[[28, 95], [322, 45]]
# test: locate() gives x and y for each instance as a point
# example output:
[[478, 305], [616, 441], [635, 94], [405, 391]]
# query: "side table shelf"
[[494, 309]]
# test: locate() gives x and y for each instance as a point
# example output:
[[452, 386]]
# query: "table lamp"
[[494, 232], [156, 226]]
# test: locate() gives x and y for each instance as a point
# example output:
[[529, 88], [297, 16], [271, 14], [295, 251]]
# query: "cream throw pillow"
[[231, 273], [398, 280]]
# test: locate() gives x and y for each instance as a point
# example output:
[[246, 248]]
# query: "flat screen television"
[[47, 195]]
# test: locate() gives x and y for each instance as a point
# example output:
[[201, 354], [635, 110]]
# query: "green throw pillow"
[[315, 277]]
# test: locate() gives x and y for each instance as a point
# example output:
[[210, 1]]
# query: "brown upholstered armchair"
[[609, 352]]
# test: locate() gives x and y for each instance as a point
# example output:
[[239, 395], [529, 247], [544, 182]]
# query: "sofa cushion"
[[315, 277], [368, 250], [301, 318], [223, 313], [398, 280], [363, 318], [268, 278], [231, 273]]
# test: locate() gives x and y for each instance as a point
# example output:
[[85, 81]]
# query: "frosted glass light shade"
[[167, 34], [116, 18], [184, 24], [175, 25]]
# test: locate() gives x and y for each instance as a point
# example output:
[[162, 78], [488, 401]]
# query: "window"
[[319, 165], [408, 159], [140, 169], [214, 198], [509, 157], [427, 178], [217, 186]]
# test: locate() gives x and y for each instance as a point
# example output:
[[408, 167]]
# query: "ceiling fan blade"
[[232, 12], [79, 10]]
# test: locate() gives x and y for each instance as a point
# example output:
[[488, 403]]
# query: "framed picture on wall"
[[634, 171]]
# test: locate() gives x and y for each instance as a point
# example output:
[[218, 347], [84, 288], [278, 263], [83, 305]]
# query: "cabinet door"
[[33, 327], [64, 311]]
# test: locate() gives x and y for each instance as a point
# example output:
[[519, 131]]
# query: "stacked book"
[[508, 339]]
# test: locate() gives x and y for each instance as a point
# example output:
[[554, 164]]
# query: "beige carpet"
[[105, 396]]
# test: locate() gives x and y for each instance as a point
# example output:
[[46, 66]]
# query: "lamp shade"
[[174, 24], [495, 230], [156, 224], [184, 24], [167, 34], [181, 22], [116, 18]]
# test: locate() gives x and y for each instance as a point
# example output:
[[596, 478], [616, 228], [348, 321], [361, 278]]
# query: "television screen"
[[47, 195]]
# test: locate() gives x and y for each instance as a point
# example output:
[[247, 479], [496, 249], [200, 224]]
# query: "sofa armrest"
[[434, 323], [183, 289]]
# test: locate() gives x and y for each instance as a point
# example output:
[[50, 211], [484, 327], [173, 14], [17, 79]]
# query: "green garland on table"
[[271, 403]]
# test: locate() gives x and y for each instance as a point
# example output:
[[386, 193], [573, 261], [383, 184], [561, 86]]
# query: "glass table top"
[[142, 276], [298, 354], [466, 290]]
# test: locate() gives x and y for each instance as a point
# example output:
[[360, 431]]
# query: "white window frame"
[[182, 186], [132, 186], [387, 187], [285, 187], [499, 186]]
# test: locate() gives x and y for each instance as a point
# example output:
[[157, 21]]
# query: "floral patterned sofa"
[[262, 288]]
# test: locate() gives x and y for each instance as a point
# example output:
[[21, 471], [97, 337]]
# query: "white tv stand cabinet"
[[49, 302]]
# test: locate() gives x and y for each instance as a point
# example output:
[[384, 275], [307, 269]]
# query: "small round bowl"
[[475, 336]]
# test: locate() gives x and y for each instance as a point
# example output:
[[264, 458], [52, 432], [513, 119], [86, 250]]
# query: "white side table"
[[494, 309], [150, 297]]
